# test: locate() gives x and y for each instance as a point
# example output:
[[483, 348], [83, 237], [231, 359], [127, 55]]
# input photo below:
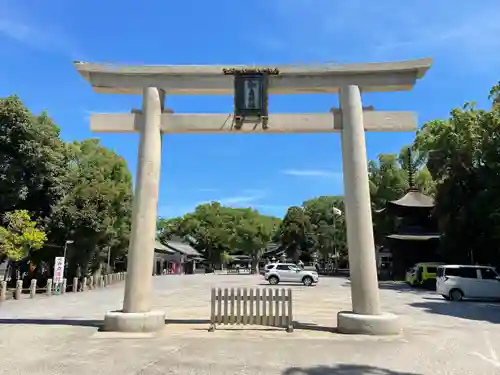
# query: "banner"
[[59, 270]]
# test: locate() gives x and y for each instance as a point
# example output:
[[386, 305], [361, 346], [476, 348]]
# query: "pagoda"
[[415, 238]]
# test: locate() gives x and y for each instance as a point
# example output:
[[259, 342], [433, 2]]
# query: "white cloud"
[[207, 190], [20, 25], [247, 198], [311, 173], [237, 200], [387, 29]]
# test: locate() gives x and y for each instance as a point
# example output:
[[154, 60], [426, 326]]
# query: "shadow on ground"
[[187, 321], [54, 322], [342, 369], [472, 310], [98, 324], [280, 285], [314, 327], [399, 287], [249, 327]]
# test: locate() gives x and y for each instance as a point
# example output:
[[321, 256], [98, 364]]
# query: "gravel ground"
[[59, 334]]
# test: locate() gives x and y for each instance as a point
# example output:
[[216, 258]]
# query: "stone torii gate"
[[352, 120]]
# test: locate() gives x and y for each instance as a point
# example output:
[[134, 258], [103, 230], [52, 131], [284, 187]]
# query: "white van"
[[456, 282]]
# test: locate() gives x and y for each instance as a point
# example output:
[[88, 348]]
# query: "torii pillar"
[[352, 120]]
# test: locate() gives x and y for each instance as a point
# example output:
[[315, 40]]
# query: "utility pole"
[[68, 242], [109, 259], [336, 212]]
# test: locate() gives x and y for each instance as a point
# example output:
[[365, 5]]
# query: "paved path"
[[58, 335]]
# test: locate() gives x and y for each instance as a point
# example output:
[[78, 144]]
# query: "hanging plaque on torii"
[[251, 95]]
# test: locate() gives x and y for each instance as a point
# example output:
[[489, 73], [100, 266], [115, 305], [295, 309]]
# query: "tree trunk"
[[7, 270], [255, 265]]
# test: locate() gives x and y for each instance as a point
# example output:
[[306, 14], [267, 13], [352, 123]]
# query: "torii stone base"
[[119, 321], [383, 324]]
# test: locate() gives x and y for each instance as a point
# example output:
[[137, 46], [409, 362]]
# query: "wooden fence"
[[266, 307], [78, 285]]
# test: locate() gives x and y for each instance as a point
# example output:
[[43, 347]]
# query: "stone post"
[[101, 280], [64, 286], [84, 284], [75, 284], [366, 317], [136, 314], [33, 288], [19, 289], [3, 291], [49, 287], [91, 282]]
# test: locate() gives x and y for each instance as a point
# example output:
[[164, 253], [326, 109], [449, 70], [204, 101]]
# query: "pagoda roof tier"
[[414, 237], [414, 199]]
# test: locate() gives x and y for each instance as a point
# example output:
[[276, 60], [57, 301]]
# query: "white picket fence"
[[243, 306]]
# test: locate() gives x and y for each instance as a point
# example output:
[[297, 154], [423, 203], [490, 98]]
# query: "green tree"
[[166, 228], [32, 160], [463, 158], [295, 232], [221, 231], [327, 225], [95, 211], [253, 232], [20, 236]]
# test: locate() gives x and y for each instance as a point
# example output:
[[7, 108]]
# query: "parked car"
[[456, 282], [289, 273], [423, 274], [266, 268]]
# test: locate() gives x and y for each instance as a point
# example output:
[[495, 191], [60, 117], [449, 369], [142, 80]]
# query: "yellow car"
[[423, 274]]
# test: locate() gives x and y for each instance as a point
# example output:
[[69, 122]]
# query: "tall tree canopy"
[[95, 210], [32, 159], [220, 230], [79, 191], [464, 160], [326, 215], [295, 232]]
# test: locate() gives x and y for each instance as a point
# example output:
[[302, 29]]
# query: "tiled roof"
[[163, 248], [182, 248]]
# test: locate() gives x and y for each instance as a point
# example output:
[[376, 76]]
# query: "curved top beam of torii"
[[293, 79]]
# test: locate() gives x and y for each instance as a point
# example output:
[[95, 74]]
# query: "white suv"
[[289, 272], [456, 282]]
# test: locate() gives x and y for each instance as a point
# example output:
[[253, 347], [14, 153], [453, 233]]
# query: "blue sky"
[[40, 39]]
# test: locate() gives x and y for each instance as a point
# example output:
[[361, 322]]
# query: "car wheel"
[[307, 281], [446, 297], [456, 295], [273, 280]]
